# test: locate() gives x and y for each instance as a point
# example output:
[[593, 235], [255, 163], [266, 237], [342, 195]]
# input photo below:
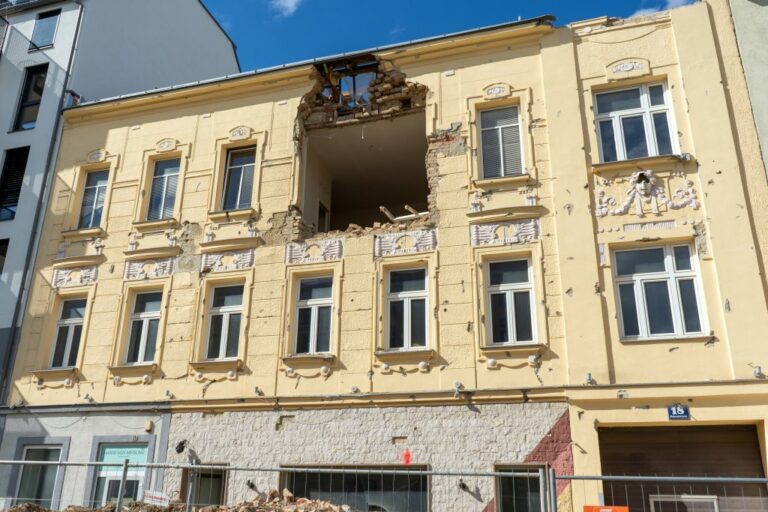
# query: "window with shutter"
[[11, 180], [162, 197], [500, 140]]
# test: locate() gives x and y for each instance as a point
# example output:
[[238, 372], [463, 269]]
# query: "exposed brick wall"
[[554, 449]]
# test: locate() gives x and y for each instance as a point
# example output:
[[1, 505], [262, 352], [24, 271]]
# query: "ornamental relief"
[[644, 194], [226, 261], [79, 276], [314, 252], [392, 244], [504, 233], [148, 269]]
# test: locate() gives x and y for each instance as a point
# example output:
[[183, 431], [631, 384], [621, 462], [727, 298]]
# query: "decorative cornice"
[[79, 261], [319, 251], [78, 276], [409, 242], [504, 233], [152, 253], [148, 269], [227, 261]]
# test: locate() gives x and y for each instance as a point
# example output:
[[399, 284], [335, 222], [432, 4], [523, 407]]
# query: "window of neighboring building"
[[500, 139], [510, 296], [162, 197], [238, 179], [3, 253], [520, 491], [107, 487], [634, 123], [94, 192], [366, 489], [145, 322], [45, 29], [14, 166], [37, 483], [224, 322], [69, 331], [407, 309], [31, 96], [313, 315], [658, 292]]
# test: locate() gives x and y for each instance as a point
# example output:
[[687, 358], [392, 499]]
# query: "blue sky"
[[273, 32]]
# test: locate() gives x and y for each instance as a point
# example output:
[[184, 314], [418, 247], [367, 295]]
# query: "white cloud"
[[285, 7], [668, 4]]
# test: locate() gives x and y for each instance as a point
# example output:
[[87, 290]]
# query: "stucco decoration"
[[504, 233], [80, 276], [96, 156], [627, 68], [392, 244], [240, 133], [133, 241], [644, 193], [167, 144], [314, 252], [148, 269], [644, 226], [499, 90], [230, 260]]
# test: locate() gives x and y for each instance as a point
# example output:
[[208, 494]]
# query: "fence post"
[[190, 483], [121, 489], [552, 490]]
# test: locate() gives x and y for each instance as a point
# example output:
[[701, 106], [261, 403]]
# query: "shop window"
[[634, 123], [45, 29], [37, 483], [500, 139], [14, 166], [224, 319], [366, 490], [162, 197], [94, 192], [510, 297], [145, 323], [31, 97], [313, 315], [658, 292], [107, 485], [69, 331], [521, 491], [238, 179], [407, 299]]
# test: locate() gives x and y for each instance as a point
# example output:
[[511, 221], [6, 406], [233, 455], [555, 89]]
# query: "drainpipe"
[[6, 365]]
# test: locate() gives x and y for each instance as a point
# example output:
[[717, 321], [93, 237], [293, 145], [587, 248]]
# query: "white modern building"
[[53, 53]]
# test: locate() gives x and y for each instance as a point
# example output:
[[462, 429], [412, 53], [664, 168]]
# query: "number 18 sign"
[[678, 412]]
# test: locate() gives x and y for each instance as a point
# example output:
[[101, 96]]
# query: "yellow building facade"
[[508, 248]]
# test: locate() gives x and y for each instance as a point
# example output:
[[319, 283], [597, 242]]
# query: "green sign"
[[135, 453]]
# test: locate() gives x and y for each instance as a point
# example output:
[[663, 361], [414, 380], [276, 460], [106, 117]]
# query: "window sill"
[[308, 359], [55, 374], [230, 244], [634, 163], [79, 261], [406, 355], [513, 348], [82, 234], [152, 253], [133, 369], [668, 339], [216, 365], [511, 213], [505, 182], [40, 48], [232, 215], [155, 225]]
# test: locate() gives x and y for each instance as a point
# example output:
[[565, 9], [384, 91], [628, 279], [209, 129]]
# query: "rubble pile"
[[391, 91], [273, 502]]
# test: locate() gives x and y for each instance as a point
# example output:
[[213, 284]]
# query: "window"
[[162, 197], [69, 331], [367, 490], [658, 292], [208, 486], [238, 180], [31, 96], [10, 182], [93, 199], [45, 29], [224, 322], [3, 253], [145, 322], [634, 123], [407, 309], [323, 219], [107, 486], [313, 315], [500, 141], [520, 491], [37, 483], [510, 296]]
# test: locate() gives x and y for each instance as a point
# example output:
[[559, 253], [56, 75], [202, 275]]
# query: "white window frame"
[[24, 458], [225, 312], [164, 179], [655, 500], [519, 125], [32, 46], [509, 290], [71, 324], [671, 276], [314, 305], [115, 473], [406, 298], [228, 173], [145, 319], [97, 188], [646, 110], [523, 471]]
